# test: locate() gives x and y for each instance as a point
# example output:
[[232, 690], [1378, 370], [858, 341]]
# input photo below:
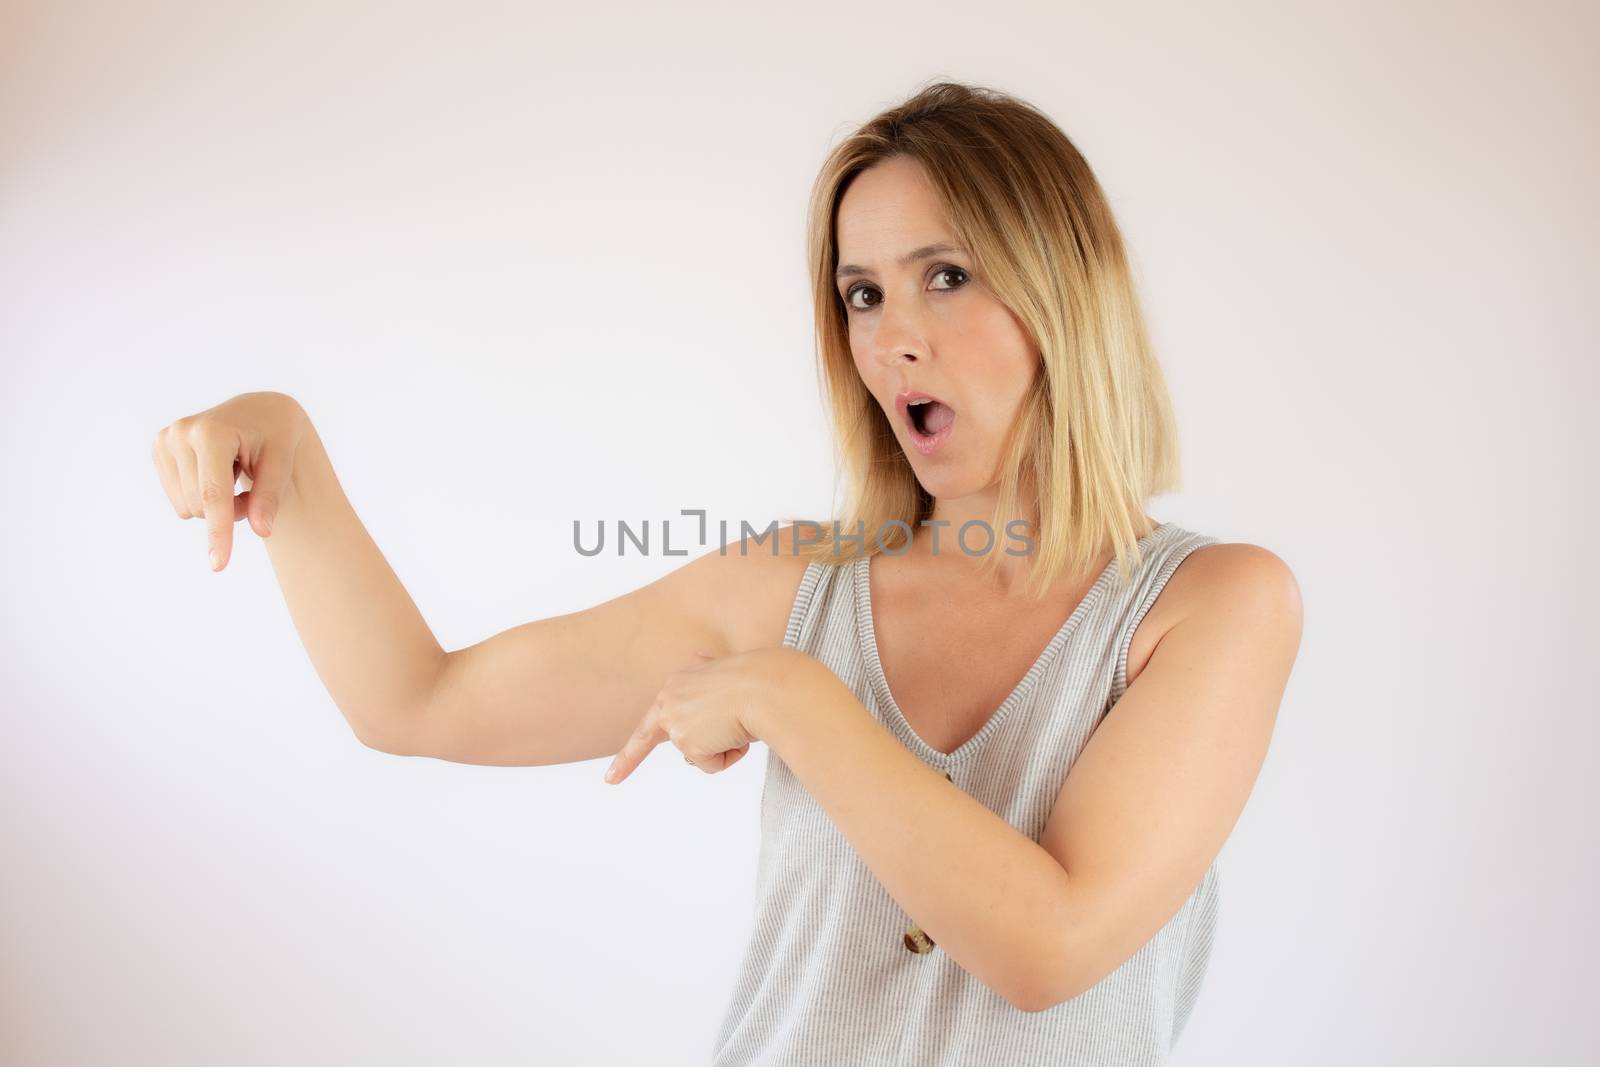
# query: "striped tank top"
[[835, 972]]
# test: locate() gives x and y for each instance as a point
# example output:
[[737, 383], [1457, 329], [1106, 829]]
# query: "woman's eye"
[[849, 296]]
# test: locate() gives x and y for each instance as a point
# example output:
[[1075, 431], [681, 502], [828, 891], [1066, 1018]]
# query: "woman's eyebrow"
[[910, 257]]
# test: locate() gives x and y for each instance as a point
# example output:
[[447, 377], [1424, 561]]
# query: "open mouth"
[[928, 418]]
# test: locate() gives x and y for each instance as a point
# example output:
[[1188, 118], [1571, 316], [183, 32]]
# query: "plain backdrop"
[[526, 265]]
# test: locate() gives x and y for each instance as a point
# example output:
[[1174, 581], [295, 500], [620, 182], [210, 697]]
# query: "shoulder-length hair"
[[1097, 434]]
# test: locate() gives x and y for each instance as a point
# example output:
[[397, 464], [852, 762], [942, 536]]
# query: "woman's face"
[[928, 326]]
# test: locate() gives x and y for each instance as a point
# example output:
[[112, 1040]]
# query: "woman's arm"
[[573, 687], [557, 690], [367, 640], [1143, 812], [1162, 782]]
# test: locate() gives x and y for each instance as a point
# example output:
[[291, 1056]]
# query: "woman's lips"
[[933, 413]]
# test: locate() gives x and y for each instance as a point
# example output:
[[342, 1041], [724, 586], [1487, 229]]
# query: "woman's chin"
[[942, 482]]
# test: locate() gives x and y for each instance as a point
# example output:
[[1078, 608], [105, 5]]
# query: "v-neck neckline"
[[896, 720]]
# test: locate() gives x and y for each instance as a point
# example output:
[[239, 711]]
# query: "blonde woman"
[[1010, 719]]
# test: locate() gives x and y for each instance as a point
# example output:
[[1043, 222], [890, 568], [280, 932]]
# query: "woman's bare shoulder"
[[1228, 577], [1230, 569], [754, 582]]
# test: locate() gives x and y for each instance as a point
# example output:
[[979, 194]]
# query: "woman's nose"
[[900, 336]]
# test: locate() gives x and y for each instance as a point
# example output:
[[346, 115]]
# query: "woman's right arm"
[[573, 687], [367, 640], [557, 690]]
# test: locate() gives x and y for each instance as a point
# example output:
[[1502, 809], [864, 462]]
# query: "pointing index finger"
[[215, 456], [640, 744]]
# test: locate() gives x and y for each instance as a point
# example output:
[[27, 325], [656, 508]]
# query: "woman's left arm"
[[1145, 809]]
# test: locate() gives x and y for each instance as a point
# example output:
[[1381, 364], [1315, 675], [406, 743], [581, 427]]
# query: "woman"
[[934, 885]]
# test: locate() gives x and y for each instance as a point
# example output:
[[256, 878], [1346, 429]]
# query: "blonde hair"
[[1096, 435]]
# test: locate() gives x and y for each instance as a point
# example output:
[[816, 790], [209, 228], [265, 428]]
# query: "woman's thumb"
[[266, 488]]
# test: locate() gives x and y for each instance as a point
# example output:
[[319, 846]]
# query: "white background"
[[525, 265]]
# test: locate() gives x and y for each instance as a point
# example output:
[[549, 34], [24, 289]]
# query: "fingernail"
[[266, 523], [611, 773], [216, 559]]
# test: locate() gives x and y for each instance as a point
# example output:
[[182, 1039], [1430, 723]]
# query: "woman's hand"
[[198, 458], [714, 709]]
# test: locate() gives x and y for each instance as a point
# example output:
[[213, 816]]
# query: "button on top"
[[914, 938]]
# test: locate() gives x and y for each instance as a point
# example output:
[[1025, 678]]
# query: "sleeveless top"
[[830, 975]]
